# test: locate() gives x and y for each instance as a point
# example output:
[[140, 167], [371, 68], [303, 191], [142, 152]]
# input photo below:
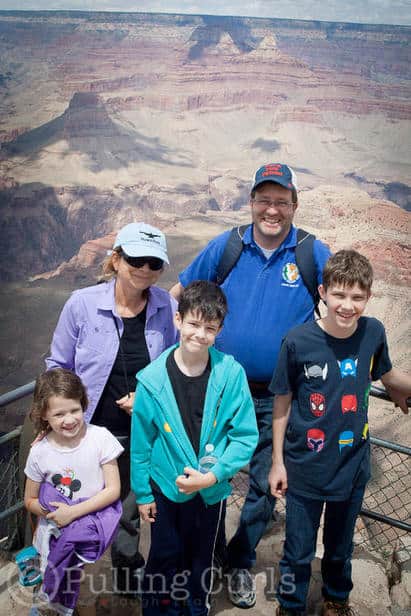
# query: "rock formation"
[[106, 119]]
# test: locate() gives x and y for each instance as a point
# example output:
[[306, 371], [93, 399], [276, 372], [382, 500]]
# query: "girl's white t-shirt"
[[77, 472]]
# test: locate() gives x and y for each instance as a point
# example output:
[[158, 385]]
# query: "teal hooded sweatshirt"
[[160, 447]]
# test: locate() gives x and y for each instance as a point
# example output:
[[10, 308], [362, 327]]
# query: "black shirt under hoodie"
[[189, 392]]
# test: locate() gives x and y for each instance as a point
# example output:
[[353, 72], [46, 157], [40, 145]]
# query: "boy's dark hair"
[[203, 297], [57, 382], [347, 268]]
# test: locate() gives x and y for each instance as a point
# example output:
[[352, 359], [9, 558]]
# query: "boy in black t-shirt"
[[321, 386], [192, 403]]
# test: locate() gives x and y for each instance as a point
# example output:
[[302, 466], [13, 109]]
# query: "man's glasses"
[[153, 263], [265, 203]]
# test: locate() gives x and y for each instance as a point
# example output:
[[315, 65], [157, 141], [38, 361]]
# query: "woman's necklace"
[[128, 311]]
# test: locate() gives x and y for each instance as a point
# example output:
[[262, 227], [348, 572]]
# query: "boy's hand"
[[398, 385], [399, 398], [193, 481], [148, 512], [63, 515], [126, 402], [277, 479]]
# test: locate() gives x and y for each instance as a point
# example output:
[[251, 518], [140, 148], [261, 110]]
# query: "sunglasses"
[[153, 263]]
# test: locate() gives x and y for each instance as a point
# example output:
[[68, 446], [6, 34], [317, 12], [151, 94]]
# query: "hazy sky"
[[365, 11]]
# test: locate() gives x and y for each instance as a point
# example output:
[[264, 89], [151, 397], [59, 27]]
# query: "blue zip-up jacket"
[[160, 447]]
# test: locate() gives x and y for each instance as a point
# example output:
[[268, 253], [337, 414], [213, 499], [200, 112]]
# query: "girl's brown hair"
[[57, 382]]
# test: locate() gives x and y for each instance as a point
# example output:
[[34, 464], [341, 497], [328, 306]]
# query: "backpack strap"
[[303, 255], [231, 254], [304, 258]]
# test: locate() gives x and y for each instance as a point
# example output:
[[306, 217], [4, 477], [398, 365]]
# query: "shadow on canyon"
[[88, 129]]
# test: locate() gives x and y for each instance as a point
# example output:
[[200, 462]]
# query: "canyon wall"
[[110, 118], [105, 118]]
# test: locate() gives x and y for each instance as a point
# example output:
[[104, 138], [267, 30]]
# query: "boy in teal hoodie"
[[192, 402]]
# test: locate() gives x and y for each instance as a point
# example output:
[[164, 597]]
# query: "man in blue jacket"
[[266, 297], [192, 407]]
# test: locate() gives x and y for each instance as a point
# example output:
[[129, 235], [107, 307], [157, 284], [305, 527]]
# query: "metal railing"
[[397, 485], [384, 520], [389, 488], [16, 394]]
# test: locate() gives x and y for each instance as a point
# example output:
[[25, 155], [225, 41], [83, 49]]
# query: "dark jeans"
[[259, 504], [302, 522], [179, 564], [124, 550]]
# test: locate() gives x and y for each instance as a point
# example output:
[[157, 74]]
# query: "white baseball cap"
[[138, 239]]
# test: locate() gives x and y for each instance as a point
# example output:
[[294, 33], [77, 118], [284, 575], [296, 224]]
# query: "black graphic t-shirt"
[[326, 443]]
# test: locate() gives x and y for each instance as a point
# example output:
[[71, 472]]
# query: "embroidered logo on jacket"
[[290, 273]]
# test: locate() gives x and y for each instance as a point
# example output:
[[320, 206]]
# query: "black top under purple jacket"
[[326, 448]]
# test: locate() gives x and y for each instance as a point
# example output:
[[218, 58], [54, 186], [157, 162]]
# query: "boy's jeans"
[[259, 504], [302, 522]]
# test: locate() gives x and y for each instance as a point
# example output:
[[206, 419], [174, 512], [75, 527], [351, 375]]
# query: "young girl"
[[73, 486]]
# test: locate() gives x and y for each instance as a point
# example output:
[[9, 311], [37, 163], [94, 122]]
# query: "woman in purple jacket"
[[107, 333]]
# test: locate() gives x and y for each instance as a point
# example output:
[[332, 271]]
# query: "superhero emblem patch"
[[346, 439], [349, 403], [317, 404], [315, 371], [348, 367], [315, 439]]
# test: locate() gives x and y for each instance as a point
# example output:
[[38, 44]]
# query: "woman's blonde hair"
[[108, 270]]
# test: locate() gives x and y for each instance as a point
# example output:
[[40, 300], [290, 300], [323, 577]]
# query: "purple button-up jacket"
[[86, 340]]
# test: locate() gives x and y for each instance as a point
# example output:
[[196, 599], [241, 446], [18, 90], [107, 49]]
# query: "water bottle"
[[207, 462]]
